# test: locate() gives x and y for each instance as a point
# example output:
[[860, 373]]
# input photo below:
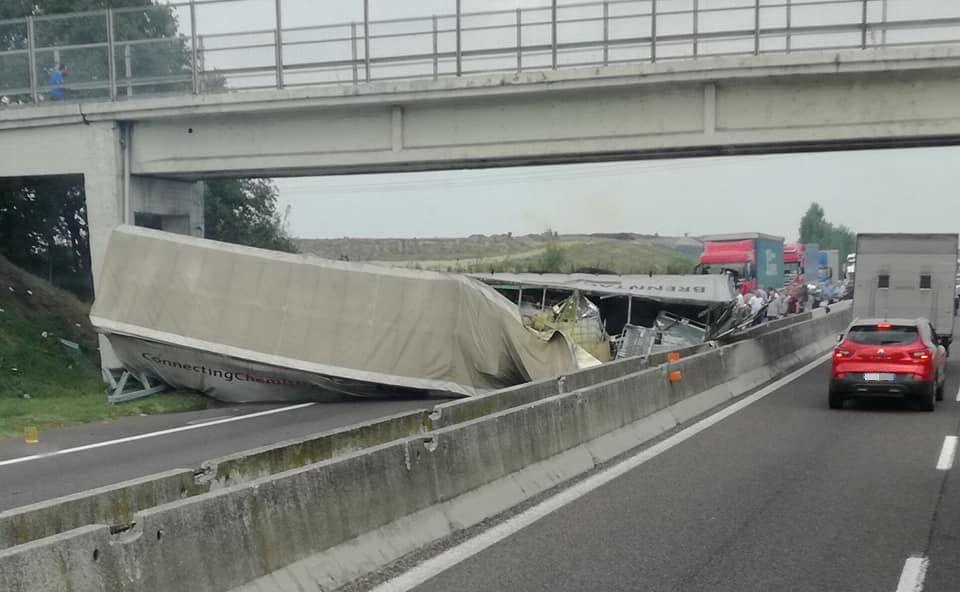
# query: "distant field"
[[622, 253], [595, 256]]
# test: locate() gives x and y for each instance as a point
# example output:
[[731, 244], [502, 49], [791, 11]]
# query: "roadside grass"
[[47, 384]]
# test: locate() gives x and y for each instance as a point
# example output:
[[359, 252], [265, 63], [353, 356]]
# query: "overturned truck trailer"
[[243, 324]]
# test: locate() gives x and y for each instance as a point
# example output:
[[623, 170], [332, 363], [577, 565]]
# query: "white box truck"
[[907, 276]]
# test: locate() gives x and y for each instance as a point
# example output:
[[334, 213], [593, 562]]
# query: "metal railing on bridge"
[[185, 47]]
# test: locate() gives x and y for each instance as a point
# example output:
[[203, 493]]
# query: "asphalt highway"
[[75, 459], [784, 494]]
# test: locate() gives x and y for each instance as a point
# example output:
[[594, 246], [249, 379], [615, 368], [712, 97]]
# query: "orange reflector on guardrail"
[[673, 357], [675, 376], [30, 435]]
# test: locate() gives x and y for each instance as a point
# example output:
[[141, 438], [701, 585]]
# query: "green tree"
[[554, 259], [43, 225], [244, 211], [165, 60], [814, 228]]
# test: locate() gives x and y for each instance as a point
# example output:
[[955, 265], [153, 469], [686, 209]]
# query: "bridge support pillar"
[[171, 205]]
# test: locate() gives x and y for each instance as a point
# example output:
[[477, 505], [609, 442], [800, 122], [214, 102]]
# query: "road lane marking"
[[958, 395], [947, 452], [913, 574], [455, 555], [23, 459]]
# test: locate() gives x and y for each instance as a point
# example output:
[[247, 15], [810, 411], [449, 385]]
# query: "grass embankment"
[[610, 256], [45, 383]]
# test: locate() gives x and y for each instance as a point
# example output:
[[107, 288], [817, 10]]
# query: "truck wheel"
[[836, 400]]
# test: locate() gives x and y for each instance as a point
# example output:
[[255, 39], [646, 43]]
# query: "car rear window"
[[879, 335]]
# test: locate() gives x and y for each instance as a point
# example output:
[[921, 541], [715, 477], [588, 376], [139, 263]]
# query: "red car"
[[889, 358]]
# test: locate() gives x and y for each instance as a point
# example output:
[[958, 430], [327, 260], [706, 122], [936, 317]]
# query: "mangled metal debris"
[[579, 319], [669, 333]]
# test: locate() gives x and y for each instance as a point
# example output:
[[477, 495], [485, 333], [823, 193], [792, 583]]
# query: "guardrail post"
[[863, 25], [201, 61], [353, 51], [553, 32], [436, 49], [519, 41], [756, 27], [459, 46], [278, 39], [111, 56], [366, 40], [606, 32], [128, 69], [32, 60], [696, 27], [789, 18], [653, 30], [883, 32], [195, 73]]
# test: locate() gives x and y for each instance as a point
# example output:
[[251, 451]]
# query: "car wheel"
[[836, 400], [940, 390], [928, 401]]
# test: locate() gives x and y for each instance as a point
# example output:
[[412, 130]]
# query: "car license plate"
[[879, 377]]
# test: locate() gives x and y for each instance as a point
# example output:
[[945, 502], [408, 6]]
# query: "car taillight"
[[920, 355], [840, 353]]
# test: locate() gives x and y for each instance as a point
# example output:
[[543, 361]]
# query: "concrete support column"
[[103, 189], [167, 204]]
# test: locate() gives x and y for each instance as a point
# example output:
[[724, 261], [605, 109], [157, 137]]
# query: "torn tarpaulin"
[[288, 327]]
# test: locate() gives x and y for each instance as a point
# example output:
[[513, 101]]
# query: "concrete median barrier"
[[113, 505], [323, 524]]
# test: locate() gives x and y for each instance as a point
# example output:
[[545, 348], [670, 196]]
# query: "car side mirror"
[[839, 338]]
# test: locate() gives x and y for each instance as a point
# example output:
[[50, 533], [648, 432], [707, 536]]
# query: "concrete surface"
[[784, 495], [450, 478]]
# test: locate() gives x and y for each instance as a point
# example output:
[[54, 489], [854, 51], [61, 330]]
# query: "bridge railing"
[[186, 47]]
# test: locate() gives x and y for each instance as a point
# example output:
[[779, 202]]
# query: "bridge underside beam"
[[841, 111]]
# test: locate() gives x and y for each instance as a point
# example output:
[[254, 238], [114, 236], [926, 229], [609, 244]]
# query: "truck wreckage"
[[644, 313], [241, 324]]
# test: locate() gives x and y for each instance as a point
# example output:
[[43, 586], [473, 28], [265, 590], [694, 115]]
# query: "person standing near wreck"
[[773, 309]]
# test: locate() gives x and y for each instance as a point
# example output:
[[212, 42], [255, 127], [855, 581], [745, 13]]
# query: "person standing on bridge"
[[57, 76]]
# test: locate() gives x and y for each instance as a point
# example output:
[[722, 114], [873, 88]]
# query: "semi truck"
[[907, 276], [793, 263], [755, 260], [801, 263]]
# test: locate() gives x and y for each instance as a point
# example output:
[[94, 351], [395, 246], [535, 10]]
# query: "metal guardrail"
[[118, 53]]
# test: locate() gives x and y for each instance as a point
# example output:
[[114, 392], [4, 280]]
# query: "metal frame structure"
[[119, 388], [618, 31]]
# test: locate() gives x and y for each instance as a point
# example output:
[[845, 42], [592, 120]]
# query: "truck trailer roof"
[[739, 237]]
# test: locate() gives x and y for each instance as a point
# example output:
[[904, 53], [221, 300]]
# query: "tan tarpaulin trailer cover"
[[245, 324]]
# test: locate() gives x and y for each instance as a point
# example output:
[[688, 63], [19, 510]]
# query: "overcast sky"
[[902, 190], [911, 190]]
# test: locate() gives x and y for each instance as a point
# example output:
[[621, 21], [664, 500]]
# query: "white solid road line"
[[451, 557], [913, 574], [947, 453], [23, 459]]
